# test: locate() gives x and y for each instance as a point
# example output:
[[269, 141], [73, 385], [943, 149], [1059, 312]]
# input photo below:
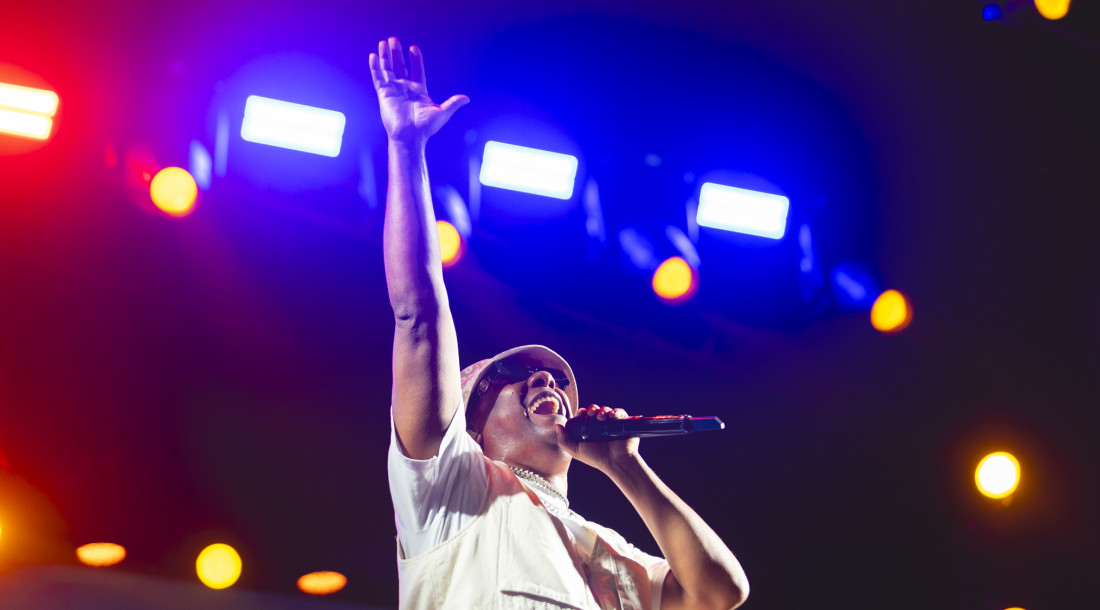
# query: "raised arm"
[[425, 351]]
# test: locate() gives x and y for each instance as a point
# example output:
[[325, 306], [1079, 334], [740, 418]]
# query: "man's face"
[[519, 417]]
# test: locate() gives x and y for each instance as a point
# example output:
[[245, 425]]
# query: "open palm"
[[408, 113]]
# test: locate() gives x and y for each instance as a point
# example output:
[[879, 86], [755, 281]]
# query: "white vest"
[[516, 555]]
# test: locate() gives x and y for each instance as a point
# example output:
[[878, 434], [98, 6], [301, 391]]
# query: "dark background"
[[166, 383]]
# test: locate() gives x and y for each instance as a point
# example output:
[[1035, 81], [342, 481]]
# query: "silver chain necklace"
[[558, 504]]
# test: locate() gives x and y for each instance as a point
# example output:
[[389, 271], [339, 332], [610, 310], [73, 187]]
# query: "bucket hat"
[[536, 355]]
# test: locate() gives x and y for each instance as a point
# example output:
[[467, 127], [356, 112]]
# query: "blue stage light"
[[200, 165], [293, 126], [639, 250], [454, 209], [683, 245], [992, 12], [742, 211], [855, 287], [594, 224], [528, 170]]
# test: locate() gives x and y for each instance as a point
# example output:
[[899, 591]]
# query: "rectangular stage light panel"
[[528, 170], [293, 126], [742, 211], [27, 112]]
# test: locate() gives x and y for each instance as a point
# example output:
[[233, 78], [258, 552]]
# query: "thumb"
[[454, 103]]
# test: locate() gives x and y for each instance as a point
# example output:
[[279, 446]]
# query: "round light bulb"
[[674, 280], [891, 312], [1052, 9], [997, 475], [218, 566], [174, 191], [451, 245]]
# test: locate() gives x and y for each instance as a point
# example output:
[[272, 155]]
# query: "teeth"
[[553, 402]]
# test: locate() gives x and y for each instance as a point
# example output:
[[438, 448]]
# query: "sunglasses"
[[512, 371]]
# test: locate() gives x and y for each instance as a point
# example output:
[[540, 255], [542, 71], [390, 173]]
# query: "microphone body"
[[590, 429]]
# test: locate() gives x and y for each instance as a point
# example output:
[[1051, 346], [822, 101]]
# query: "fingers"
[[603, 413], [398, 57], [375, 71], [390, 64], [416, 65], [385, 61], [452, 104]]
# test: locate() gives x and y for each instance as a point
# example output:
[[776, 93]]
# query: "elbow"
[[730, 595], [737, 590], [739, 595], [414, 310], [417, 302], [724, 589]]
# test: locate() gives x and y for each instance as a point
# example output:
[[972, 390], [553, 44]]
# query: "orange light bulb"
[[174, 191], [322, 583], [675, 280]]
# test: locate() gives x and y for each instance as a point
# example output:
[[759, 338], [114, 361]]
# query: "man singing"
[[478, 457]]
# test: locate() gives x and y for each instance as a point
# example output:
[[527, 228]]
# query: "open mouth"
[[547, 404]]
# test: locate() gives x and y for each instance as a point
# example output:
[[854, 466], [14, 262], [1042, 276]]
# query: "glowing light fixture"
[[218, 566], [322, 583], [891, 312], [27, 112], [101, 554], [1052, 9], [997, 475], [853, 289], [451, 244], [854, 286], [174, 191], [742, 211], [992, 12], [675, 280], [200, 164], [529, 170], [293, 126]]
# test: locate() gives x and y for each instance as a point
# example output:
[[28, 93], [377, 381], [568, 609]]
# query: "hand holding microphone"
[[588, 428], [588, 436]]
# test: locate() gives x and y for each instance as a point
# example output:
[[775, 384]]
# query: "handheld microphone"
[[590, 429]]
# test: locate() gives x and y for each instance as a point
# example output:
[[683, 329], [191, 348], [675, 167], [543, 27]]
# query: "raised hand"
[[599, 455], [408, 114]]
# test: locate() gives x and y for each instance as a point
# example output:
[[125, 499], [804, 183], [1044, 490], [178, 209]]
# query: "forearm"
[[425, 349], [706, 572], [414, 274]]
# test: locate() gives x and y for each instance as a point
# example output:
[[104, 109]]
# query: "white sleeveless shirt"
[[470, 534]]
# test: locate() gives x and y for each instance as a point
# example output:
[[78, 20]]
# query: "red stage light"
[[27, 112]]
